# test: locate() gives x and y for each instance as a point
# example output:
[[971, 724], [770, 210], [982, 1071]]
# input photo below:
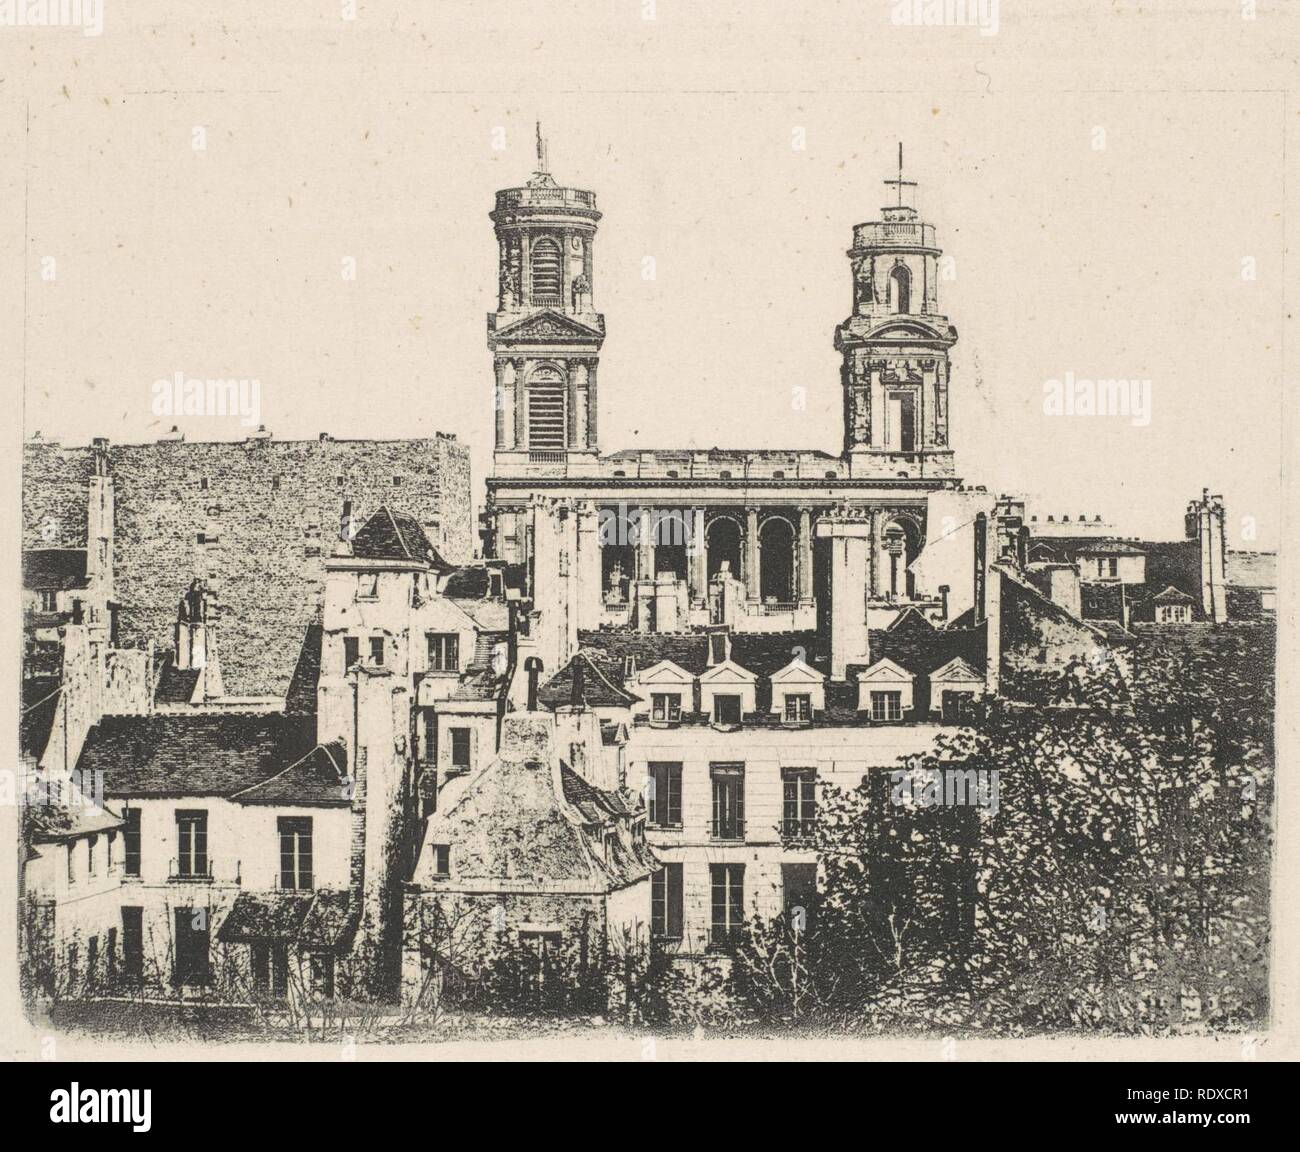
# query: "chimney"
[[533, 666], [981, 559], [196, 637], [943, 601], [1208, 515]]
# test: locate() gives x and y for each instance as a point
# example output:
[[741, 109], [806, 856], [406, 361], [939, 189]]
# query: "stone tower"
[[895, 347], [545, 335]]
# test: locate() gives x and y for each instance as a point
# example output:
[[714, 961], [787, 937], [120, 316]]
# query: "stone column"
[[697, 562], [571, 407], [645, 556], [805, 556], [566, 279], [521, 406], [499, 403], [591, 404], [752, 584], [873, 544], [525, 272]]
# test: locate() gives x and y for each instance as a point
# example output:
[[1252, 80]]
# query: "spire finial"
[[541, 150], [900, 183]]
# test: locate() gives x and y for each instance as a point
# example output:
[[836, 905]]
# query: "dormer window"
[[666, 707], [726, 709], [798, 708], [886, 706]]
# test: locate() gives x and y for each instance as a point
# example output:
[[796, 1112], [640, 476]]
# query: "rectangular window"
[[444, 652], [295, 852], [726, 709], [131, 842], [279, 969], [799, 891], [72, 863], [441, 859], [665, 706], [191, 842], [665, 795], [259, 963], [666, 903], [1112, 566], [132, 944], [728, 801], [351, 652], [92, 842], [322, 974], [799, 801], [49, 601], [798, 708], [459, 747], [192, 960], [886, 705], [727, 882], [376, 649]]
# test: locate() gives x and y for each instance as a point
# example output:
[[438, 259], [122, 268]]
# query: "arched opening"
[[899, 545], [723, 540], [776, 560], [672, 534], [900, 289], [546, 265], [546, 408], [617, 554]]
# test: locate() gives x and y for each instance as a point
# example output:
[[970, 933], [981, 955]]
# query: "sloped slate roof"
[[193, 754], [318, 778], [1252, 569], [390, 535], [77, 815], [176, 685], [1102, 601], [594, 687], [40, 697], [264, 916], [54, 569], [923, 652], [689, 651]]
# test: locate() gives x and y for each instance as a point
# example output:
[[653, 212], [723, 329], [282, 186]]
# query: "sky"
[[1110, 210]]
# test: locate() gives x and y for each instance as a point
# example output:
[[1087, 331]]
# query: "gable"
[[955, 670], [797, 672], [548, 327], [727, 673], [664, 673], [885, 672]]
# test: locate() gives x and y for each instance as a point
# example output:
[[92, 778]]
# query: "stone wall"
[[255, 518]]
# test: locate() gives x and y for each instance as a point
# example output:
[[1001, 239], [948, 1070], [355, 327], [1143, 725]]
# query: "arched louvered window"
[[546, 265], [546, 409], [900, 289]]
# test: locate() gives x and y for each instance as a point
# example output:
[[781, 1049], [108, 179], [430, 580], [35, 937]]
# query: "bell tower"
[[894, 346], [545, 335]]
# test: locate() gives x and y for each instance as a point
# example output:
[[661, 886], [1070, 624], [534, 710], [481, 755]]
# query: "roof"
[[324, 919], [75, 815], [1109, 548], [1172, 595], [212, 754], [390, 535], [331, 921], [1102, 601], [176, 685], [1252, 569], [40, 697], [525, 817], [54, 569], [319, 777], [583, 681]]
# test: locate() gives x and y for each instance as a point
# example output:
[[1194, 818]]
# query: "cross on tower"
[[541, 151], [900, 182]]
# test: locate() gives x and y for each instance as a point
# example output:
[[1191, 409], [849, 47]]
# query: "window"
[[460, 747], [441, 859], [49, 601], [397, 481], [799, 892], [726, 709], [192, 965], [109, 841], [132, 944], [351, 652], [131, 842], [900, 289], [728, 888], [1174, 614], [1112, 566], [367, 586], [798, 708], [203, 484], [92, 842], [444, 652], [72, 864], [201, 538], [270, 965], [799, 801], [376, 649], [322, 974], [728, 801], [295, 852], [886, 705], [665, 795], [665, 706], [546, 264], [666, 903], [191, 842], [547, 409]]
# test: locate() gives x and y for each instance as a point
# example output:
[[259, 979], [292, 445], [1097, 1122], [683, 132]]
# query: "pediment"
[[727, 671], [904, 330], [885, 671], [547, 327], [797, 672], [955, 670], [665, 672]]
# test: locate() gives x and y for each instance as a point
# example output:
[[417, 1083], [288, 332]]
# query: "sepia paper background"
[[384, 137]]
